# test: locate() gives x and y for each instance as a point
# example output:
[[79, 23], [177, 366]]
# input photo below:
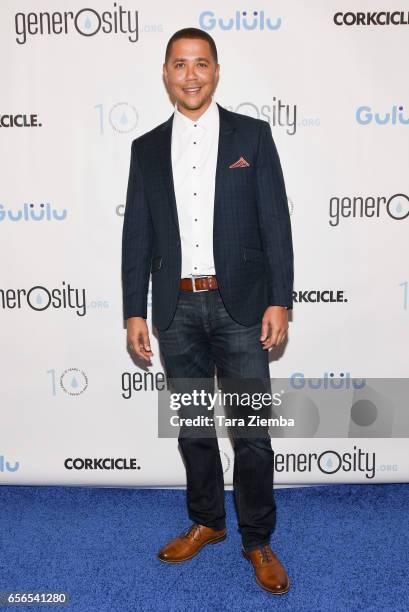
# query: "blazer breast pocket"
[[156, 263], [242, 171], [252, 254]]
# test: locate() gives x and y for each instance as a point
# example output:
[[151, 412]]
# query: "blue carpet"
[[345, 547]]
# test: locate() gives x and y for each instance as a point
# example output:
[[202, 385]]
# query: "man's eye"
[[202, 64], [179, 64]]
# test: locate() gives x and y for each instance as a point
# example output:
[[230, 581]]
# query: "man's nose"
[[191, 72]]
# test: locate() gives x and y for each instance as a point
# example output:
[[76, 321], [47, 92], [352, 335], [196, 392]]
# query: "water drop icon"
[[87, 23], [39, 299], [124, 119], [74, 383], [329, 463]]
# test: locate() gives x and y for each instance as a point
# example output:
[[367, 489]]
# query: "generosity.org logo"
[[317, 295], [242, 20], [368, 207], [28, 212], [135, 382], [102, 463], [277, 113], [86, 22], [41, 298], [370, 18], [328, 462], [365, 115]]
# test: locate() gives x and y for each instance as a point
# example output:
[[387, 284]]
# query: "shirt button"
[[195, 194], [194, 167], [194, 142], [195, 267], [195, 219], [197, 245], [195, 124]]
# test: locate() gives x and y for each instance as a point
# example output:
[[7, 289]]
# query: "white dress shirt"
[[194, 158]]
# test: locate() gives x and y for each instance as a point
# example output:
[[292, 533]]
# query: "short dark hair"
[[191, 33]]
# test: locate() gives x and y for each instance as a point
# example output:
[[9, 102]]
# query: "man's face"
[[191, 74]]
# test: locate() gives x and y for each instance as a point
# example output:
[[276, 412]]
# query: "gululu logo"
[[329, 381], [7, 466], [28, 213], [86, 22], [364, 115], [369, 207], [372, 18], [20, 121], [40, 298], [316, 295], [255, 20]]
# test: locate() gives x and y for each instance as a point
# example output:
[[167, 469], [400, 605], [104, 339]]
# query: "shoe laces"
[[192, 532], [266, 554]]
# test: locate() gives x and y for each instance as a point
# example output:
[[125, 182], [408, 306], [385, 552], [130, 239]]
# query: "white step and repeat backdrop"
[[79, 82]]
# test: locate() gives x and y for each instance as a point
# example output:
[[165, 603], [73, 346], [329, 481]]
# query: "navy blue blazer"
[[252, 241]]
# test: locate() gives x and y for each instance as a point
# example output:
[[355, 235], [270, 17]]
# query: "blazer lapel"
[[225, 154], [165, 161]]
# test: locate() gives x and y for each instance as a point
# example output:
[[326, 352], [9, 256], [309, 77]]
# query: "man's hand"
[[138, 337], [274, 326]]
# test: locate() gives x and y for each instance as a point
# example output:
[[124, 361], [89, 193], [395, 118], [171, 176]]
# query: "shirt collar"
[[206, 119]]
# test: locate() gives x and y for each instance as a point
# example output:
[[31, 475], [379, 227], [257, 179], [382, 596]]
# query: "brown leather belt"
[[199, 283]]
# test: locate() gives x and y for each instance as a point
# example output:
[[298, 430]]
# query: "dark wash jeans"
[[203, 336]]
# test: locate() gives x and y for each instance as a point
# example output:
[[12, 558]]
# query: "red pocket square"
[[240, 163]]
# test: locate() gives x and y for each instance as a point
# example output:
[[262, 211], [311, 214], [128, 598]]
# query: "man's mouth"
[[191, 91]]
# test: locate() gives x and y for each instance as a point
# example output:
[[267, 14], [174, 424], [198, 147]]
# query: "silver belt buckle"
[[193, 282]]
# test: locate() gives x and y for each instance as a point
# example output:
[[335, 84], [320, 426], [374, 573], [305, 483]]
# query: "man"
[[207, 215]]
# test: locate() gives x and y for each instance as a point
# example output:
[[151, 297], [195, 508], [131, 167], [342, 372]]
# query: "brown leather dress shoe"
[[189, 543], [270, 573]]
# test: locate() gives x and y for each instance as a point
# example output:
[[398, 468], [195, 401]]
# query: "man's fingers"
[[144, 341], [274, 326], [144, 346], [283, 336], [140, 345], [264, 331], [276, 337], [140, 350], [272, 341]]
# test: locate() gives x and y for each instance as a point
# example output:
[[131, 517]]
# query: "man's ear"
[[217, 72]]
